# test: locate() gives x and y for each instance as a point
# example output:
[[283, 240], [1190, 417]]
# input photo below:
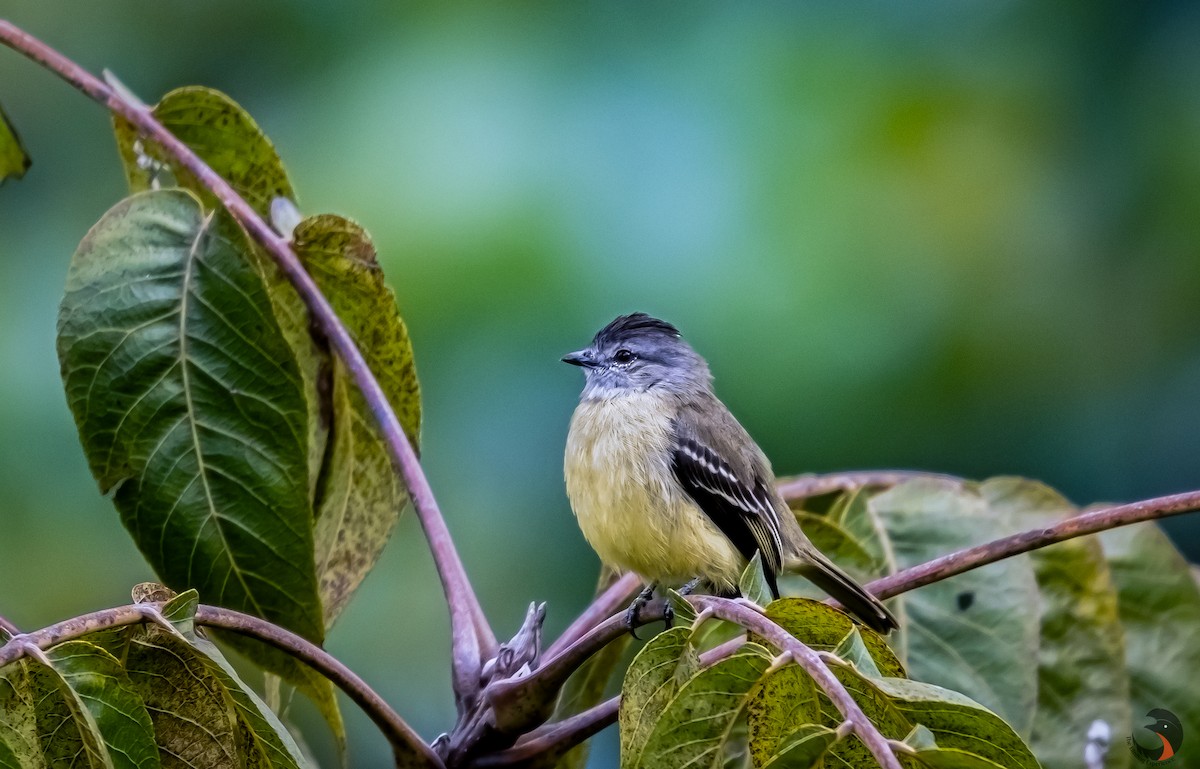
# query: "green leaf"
[[784, 699], [313, 359], [803, 748], [920, 738], [753, 582], [824, 628], [694, 728], [928, 753], [67, 733], [956, 722], [945, 758], [361, 494], [225, 137], [973, 633], [14, 161], [262, 736], [840, 545], [856, 518], [685, 613], [195, 722], [1159, 606], [655, 674], [854, 650], [1081, 657], [8, 757], [19, 695], [190, 406], [180, 611], [107, 708]]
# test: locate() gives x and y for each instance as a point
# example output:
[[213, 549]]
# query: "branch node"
[[703, 616], [782, 661], [832, 660]]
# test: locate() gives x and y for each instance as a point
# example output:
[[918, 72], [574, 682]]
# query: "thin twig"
[[9, 627], [399, 734], [549, 743], [543, 684], [67, 630], [1076, 526], [472, 637], [797, 487], [617, 594]]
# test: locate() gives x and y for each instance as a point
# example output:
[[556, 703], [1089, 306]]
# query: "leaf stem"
[[1075, 526], [398, 733], [472, 637]]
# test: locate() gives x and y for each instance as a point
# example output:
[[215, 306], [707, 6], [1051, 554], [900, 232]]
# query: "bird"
[[667, 484]]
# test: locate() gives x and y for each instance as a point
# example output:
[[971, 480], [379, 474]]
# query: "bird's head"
[[636, 353]]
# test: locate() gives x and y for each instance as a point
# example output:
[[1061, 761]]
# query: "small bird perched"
[[665, 482]]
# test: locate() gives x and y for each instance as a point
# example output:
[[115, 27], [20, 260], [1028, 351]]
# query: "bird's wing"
[[739, 503]]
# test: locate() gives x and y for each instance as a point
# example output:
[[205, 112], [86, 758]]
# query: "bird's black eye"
[[623, 356]]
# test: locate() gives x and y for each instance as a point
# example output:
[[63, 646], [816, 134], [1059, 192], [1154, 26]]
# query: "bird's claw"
[[632, 617]]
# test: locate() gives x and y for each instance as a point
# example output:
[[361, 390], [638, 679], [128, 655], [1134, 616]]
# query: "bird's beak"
[[584, 358]]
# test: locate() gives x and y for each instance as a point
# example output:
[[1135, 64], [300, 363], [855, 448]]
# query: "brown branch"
[[545, 745], [9, 627], [618, 594], [1076, 526], [398, 733], [531, 697], [471, 635], [806, 658], [798, 487], [67, 630]]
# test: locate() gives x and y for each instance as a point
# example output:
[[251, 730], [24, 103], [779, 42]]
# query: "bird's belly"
[[629, 506]]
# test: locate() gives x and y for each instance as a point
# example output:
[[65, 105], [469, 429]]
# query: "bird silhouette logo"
[[1158, 741]]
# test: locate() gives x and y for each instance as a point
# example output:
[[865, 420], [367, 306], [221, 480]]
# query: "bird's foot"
[[669, 611], [632, 617], [690, 587]]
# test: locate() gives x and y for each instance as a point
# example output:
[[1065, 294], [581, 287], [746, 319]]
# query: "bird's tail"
[[819, 570]]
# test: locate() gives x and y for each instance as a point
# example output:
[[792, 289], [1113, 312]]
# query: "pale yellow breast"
[[629, 506]]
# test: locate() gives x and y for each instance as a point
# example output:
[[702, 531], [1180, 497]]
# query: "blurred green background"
[[951, 236]]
